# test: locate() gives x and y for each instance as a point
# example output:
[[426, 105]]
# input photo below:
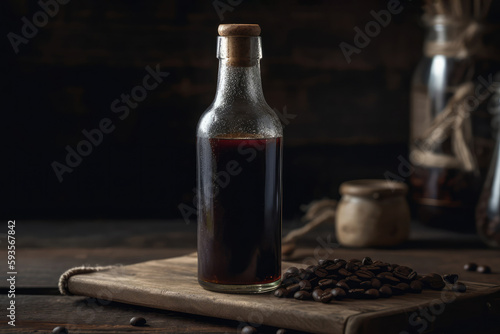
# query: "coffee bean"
[[334, 267], [384, 266], [321, 272], [292, 271], [314, 281], [404, 273], [389, 280], [316, 294], [433, 281], [372, 293], [327, 290], [471, 266], [398, 289], [354, 261], [281, 292], [334, 277], [344, 273], [376, 284], [60, 330], [326, 296], [281, 331], [374, 269], [293, 288], [302, 295], [137, 321], [342, 284], [351, 266], [416, 286], [306, 275], [403, 270], [327, 283], [248, 330], [289, 281], [338, 293], [450, 278], [459, 287], [484, 269], [305, 285], [366, 261], [385, 291], [338, 260], [353, 282], [312, 268], [356, 293], [365, 285], [325, 262], [364, 274]]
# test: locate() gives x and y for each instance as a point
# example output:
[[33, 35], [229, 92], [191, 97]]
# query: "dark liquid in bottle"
[[239, 222]]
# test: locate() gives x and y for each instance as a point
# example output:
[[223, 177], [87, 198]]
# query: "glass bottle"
[[239, 150], [444, 190], [488, 208]]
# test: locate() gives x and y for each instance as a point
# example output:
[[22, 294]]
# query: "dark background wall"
[[351, 118]]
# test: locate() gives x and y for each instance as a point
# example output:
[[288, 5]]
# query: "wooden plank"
[[88, 315], [171, 284], [40, 268]]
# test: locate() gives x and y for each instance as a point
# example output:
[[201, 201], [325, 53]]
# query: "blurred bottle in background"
[[488, 209], [450, 138]]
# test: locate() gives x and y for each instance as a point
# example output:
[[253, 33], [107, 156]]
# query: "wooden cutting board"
[[172, 284]]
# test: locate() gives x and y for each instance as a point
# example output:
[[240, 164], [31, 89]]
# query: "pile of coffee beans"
[[483, 269], [359, 279]]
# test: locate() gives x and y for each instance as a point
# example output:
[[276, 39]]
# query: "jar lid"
[[373, 188]]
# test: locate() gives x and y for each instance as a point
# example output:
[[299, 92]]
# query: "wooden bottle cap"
[[242, 30], [239, 44]]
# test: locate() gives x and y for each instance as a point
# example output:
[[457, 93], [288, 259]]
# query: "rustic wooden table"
[[45, 250]]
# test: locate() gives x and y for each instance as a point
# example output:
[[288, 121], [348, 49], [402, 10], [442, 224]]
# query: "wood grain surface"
[[171, 284], [40, 314]]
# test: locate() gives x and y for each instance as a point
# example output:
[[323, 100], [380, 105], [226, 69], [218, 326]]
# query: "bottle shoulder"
[[254, 120]]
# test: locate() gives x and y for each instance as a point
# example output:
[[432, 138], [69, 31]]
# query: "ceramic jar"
[[372, 213]]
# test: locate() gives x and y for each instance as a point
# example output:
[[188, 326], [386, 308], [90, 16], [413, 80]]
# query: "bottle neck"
[[443, 33], [445, 37], [241, 85], [239, 71]]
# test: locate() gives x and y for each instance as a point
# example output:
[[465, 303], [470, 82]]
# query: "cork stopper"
[[239, 30], [239, 44]]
